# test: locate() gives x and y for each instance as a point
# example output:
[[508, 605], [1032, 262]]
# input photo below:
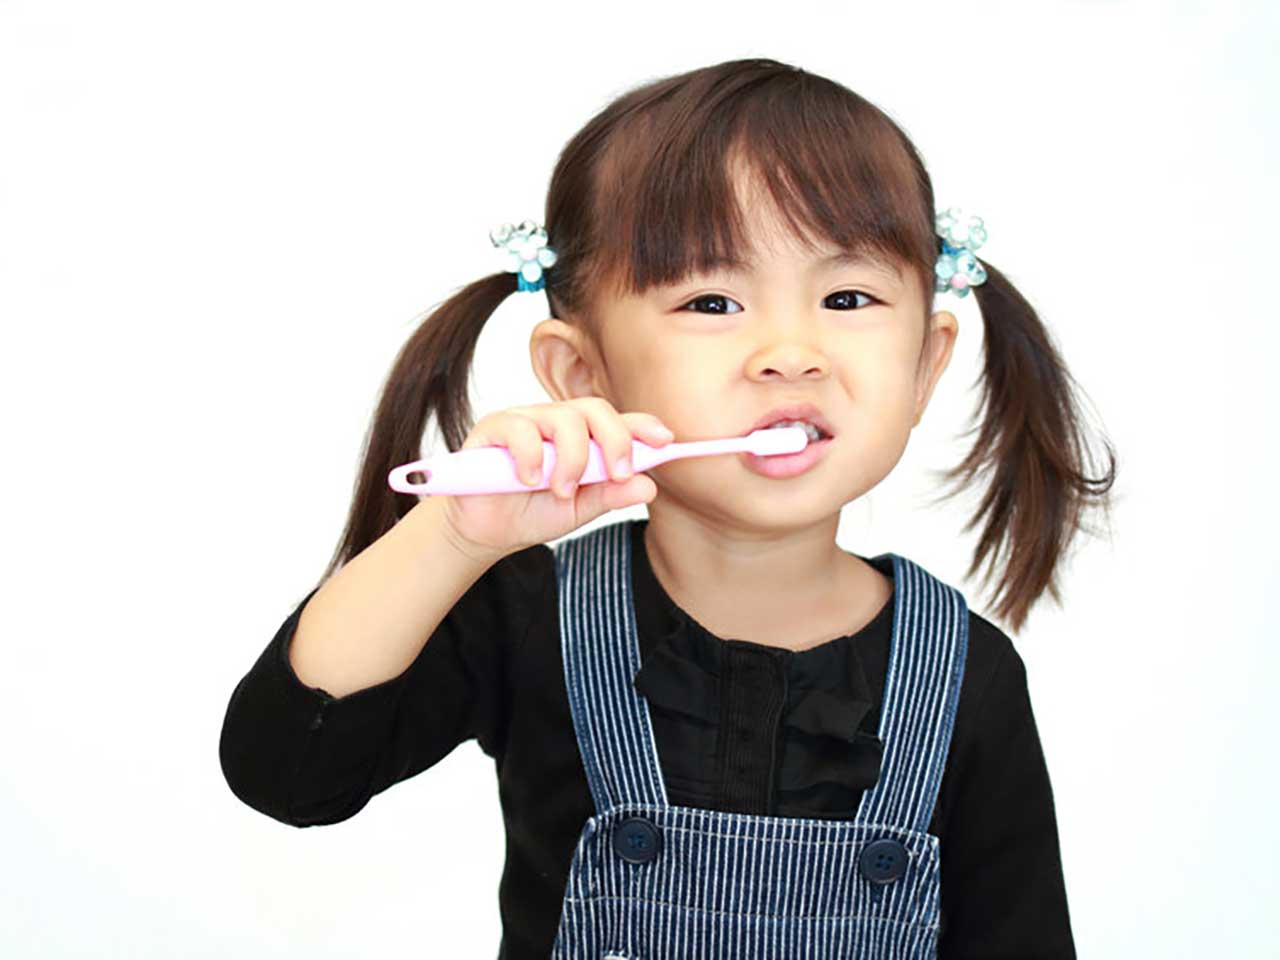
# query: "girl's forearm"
[[369, 621]]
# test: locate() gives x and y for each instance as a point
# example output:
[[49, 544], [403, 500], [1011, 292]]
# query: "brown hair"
[[644, 194]]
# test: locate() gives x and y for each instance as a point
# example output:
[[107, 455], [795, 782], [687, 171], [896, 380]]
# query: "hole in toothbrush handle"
[[398, 478]]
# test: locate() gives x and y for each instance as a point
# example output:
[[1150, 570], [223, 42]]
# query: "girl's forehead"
[[771, 244], [827, 257], [791, 264]]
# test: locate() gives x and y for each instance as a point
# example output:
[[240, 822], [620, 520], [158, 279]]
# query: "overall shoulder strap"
[[600, 647], [922, 688]]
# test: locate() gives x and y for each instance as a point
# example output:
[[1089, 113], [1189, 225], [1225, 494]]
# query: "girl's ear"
[[942, 340], [562, 361]]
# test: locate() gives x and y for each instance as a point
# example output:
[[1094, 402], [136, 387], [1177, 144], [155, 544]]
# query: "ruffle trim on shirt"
[[830, 754], [669, 679], [826, 760]]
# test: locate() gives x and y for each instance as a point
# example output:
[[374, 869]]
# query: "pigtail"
[[1032, 443], [430, 375]]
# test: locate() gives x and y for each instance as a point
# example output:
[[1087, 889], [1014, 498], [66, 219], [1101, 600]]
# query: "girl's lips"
[[784, 465]]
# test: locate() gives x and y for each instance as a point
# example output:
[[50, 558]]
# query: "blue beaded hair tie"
[[957, 268], [527, 253]]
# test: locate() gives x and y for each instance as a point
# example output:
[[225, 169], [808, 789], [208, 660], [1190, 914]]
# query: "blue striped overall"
[[652, 881]]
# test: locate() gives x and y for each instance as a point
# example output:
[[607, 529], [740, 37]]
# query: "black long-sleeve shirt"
[[492, 670]]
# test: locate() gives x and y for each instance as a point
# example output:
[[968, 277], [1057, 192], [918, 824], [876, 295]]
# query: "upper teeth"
[[813, 432]]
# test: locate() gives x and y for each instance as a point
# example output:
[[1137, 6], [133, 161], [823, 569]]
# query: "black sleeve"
[[1003, 893], [305, 758]]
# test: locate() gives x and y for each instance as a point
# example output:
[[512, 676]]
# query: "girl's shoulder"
[[994, 688], [988, 641]]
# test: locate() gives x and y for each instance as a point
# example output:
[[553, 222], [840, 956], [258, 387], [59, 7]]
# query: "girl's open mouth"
[[782, 465]]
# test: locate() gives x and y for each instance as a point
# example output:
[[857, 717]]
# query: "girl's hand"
[[502, 523]]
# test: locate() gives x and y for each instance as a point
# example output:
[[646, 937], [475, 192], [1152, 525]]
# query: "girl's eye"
[[713, 298], [842, 297], [840, 300]]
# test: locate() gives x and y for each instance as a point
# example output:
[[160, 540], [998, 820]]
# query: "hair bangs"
[[678, 182]]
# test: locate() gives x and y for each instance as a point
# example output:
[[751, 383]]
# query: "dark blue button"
[[636, 839], [883, 861]]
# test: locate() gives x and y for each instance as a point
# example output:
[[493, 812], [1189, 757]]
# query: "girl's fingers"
[[571, 426], [649, 428], [574, 424], [524, 436], [615, 432], [598, 498], [516, 430], [612, 433], [563, 425]]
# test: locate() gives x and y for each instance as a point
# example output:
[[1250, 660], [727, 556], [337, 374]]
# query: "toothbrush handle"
[[492, 469]]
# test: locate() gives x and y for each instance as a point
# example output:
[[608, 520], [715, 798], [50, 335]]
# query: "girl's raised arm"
[[400, 654], [298, 754], [368, 622]]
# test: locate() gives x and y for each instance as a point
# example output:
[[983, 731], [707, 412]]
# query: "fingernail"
[[665, 431], [622, 468]]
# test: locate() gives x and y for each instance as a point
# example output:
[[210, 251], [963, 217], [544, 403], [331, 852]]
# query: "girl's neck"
[[794, 595]]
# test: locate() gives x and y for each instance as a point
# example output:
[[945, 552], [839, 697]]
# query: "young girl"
[[717, 734]]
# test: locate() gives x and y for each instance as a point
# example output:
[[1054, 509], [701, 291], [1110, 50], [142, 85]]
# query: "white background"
[[218, 222]]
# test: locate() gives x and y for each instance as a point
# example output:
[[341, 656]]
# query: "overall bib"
[[653, 881]]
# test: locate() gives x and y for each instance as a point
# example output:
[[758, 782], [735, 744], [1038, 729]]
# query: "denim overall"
[[653, 881]]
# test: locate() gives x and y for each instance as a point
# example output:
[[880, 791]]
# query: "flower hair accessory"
[[527, 253], [957, 268]]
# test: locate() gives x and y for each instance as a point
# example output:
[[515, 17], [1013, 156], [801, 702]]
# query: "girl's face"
[[710, 356]]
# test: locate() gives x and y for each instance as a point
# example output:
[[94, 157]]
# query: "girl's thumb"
[[599, 498]]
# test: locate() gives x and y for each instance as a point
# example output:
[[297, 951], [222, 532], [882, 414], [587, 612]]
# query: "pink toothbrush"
[[493, 470]]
